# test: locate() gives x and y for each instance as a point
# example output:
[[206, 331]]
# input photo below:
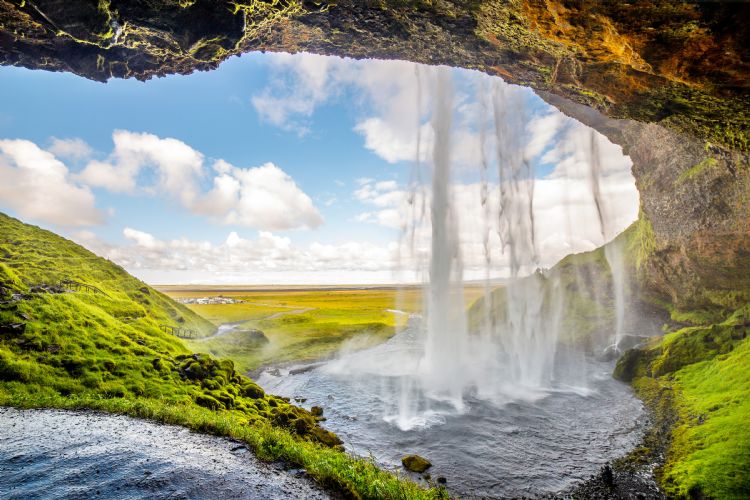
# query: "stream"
[[64, 454]]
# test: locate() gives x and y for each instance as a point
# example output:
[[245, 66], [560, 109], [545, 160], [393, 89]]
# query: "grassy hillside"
[[101, 347], [577, 292], [697, 380]]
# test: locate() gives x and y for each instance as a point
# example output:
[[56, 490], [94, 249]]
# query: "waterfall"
[[515, 344], [446, 330]]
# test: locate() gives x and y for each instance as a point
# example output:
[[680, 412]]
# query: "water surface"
[[514, 442], [61, 454]]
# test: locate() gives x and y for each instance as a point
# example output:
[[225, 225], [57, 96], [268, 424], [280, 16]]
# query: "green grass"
[[331, 320], [105, 351], [700, 377]]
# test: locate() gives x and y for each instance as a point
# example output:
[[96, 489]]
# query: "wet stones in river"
[[415, 463]]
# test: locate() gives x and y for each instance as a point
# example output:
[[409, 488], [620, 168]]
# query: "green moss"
[[640, 241], [697, 380], [697, 169], [415, 463]]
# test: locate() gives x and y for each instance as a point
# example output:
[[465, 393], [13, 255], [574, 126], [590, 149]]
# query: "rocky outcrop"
[[684, 64], [695, 196], [415, 463]]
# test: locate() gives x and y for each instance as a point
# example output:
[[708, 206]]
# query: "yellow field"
[[302, 324]]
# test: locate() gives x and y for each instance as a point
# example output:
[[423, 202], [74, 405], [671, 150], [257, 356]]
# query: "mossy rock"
[[209, 402], [415, 463], [628, 365], [252, 390], [325, 437]]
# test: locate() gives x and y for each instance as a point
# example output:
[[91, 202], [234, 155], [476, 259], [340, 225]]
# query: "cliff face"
[[666, 80], [681, 63]]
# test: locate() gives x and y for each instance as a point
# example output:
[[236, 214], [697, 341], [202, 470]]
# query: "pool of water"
[[516, 442]]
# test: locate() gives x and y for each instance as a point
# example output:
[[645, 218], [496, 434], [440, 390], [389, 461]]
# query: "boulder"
[[415, 463]]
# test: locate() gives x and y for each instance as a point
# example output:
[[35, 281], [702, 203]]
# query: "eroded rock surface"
[[682, 63]]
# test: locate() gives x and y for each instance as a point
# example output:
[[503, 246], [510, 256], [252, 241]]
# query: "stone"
[[13, 329], [415, 463]]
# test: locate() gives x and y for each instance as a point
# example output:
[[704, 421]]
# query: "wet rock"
[[13, 329], [144, 290], [415, 463], [47, 288], [627, 366], [442, 480], [316, 411]]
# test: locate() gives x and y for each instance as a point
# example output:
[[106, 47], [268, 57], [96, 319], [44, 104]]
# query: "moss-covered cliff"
[[684, 64]]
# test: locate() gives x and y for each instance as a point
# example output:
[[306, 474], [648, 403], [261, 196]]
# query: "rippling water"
[[524, 443], [57, 454]]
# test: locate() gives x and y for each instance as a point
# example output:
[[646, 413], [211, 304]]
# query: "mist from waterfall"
[[515, 350], [511, 347]]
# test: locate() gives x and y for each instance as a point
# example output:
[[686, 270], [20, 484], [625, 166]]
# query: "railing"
[[78, 286], [178, 331]]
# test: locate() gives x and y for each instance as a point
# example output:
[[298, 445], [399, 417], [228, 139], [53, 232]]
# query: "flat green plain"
[[303, 325]]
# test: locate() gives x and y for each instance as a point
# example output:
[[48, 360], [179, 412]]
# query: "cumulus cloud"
[[176, 165], [71, 149], [285, 103], [39, 187], [263, 197], [248, 260]]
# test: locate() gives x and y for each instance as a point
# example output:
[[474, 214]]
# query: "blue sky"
[[341, 137]]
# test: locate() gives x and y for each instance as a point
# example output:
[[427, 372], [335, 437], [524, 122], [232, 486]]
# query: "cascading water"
[[445, 344], [514, 352], [498, 391]]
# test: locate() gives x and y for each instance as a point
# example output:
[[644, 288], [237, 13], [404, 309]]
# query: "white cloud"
[[285, 103], [263, 197], [39, 187], [71, 149], [176, 165], [142, 239], [258, 260]]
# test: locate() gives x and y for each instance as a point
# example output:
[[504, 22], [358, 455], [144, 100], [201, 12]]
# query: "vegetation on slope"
[[102, 348], [697, 380]]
